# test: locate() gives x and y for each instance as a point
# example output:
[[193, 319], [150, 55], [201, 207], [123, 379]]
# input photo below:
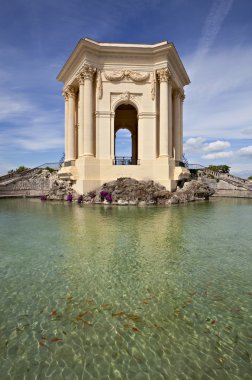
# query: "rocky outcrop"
[[44, 183], [30, 185], [59, 190], [129, 191], [123, 191]]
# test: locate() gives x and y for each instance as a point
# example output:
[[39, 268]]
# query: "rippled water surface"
[[125, 293]]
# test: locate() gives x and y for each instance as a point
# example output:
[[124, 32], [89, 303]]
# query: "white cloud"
[[212, 26], [246, 151], [11, 107], [213, 156], [194, 144], [218, 102], [214, 21], [216, 146]]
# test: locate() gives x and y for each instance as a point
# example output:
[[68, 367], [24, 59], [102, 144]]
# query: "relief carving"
[[126, 97], [99, 84], [153, 85], [69, 92], [133, 75], [86, 71], [164, 74]]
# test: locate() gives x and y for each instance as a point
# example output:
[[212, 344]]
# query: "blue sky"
[[213, 39]]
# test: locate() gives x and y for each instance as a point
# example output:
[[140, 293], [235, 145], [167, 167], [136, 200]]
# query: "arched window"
[[126, 135]]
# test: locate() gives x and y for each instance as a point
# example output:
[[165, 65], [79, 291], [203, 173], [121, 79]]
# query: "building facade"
[[113, 86]]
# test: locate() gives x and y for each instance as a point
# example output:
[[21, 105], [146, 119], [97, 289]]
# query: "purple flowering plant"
[[43, 198], [69, 197], [106, 195]]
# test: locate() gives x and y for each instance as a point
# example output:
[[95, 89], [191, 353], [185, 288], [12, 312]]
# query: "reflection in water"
[[118, 292]]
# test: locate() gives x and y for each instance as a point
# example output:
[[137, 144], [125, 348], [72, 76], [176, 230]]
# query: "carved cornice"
[[164, 75], [121, 74]]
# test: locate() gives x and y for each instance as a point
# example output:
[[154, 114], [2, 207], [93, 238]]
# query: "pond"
[[110, 292]]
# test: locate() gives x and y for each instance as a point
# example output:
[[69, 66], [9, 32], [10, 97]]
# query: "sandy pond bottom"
[[125, 293]]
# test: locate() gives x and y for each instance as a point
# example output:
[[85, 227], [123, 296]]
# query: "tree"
[[250, 177], [219, 168]]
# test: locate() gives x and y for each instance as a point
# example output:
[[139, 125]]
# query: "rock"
[[142, 203], [122, 202]]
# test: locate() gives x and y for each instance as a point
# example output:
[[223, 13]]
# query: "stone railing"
[[236, 181], [5, 179]]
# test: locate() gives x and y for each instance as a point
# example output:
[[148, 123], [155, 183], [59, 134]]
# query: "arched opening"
[[126, 135]]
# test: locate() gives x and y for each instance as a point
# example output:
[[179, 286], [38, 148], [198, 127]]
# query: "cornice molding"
[[152, 55]]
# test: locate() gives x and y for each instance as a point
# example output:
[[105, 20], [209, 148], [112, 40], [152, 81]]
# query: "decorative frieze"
[[121, 74]]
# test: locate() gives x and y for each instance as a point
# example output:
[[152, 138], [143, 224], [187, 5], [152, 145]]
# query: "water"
[[125, 293]]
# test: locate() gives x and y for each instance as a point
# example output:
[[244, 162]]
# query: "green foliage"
[[250, 177], [51, 170], [22, 169], [219, 168]]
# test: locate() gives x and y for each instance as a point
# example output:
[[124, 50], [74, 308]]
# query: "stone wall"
[[226, 189], [33, 186]]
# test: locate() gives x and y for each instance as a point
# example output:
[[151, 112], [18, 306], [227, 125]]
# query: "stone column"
[[182, 98], [81, 116], [88, 75], [164, 76], [112, 135], [170, 153], [65, 94], [176, 125], [71, 123]]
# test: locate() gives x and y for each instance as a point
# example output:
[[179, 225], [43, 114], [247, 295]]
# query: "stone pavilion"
[[113, 86]]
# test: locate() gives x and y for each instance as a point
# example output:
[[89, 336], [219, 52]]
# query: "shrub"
[[51, 170], [22, 169], [219, 168]]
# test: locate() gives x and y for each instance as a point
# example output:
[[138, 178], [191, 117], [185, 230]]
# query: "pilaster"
[[81, 116], [88, 75], [164, 119], [71, 123], [176, 125], [65, 94]]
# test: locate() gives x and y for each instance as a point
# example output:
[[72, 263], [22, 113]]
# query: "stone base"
[[89, 173]]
